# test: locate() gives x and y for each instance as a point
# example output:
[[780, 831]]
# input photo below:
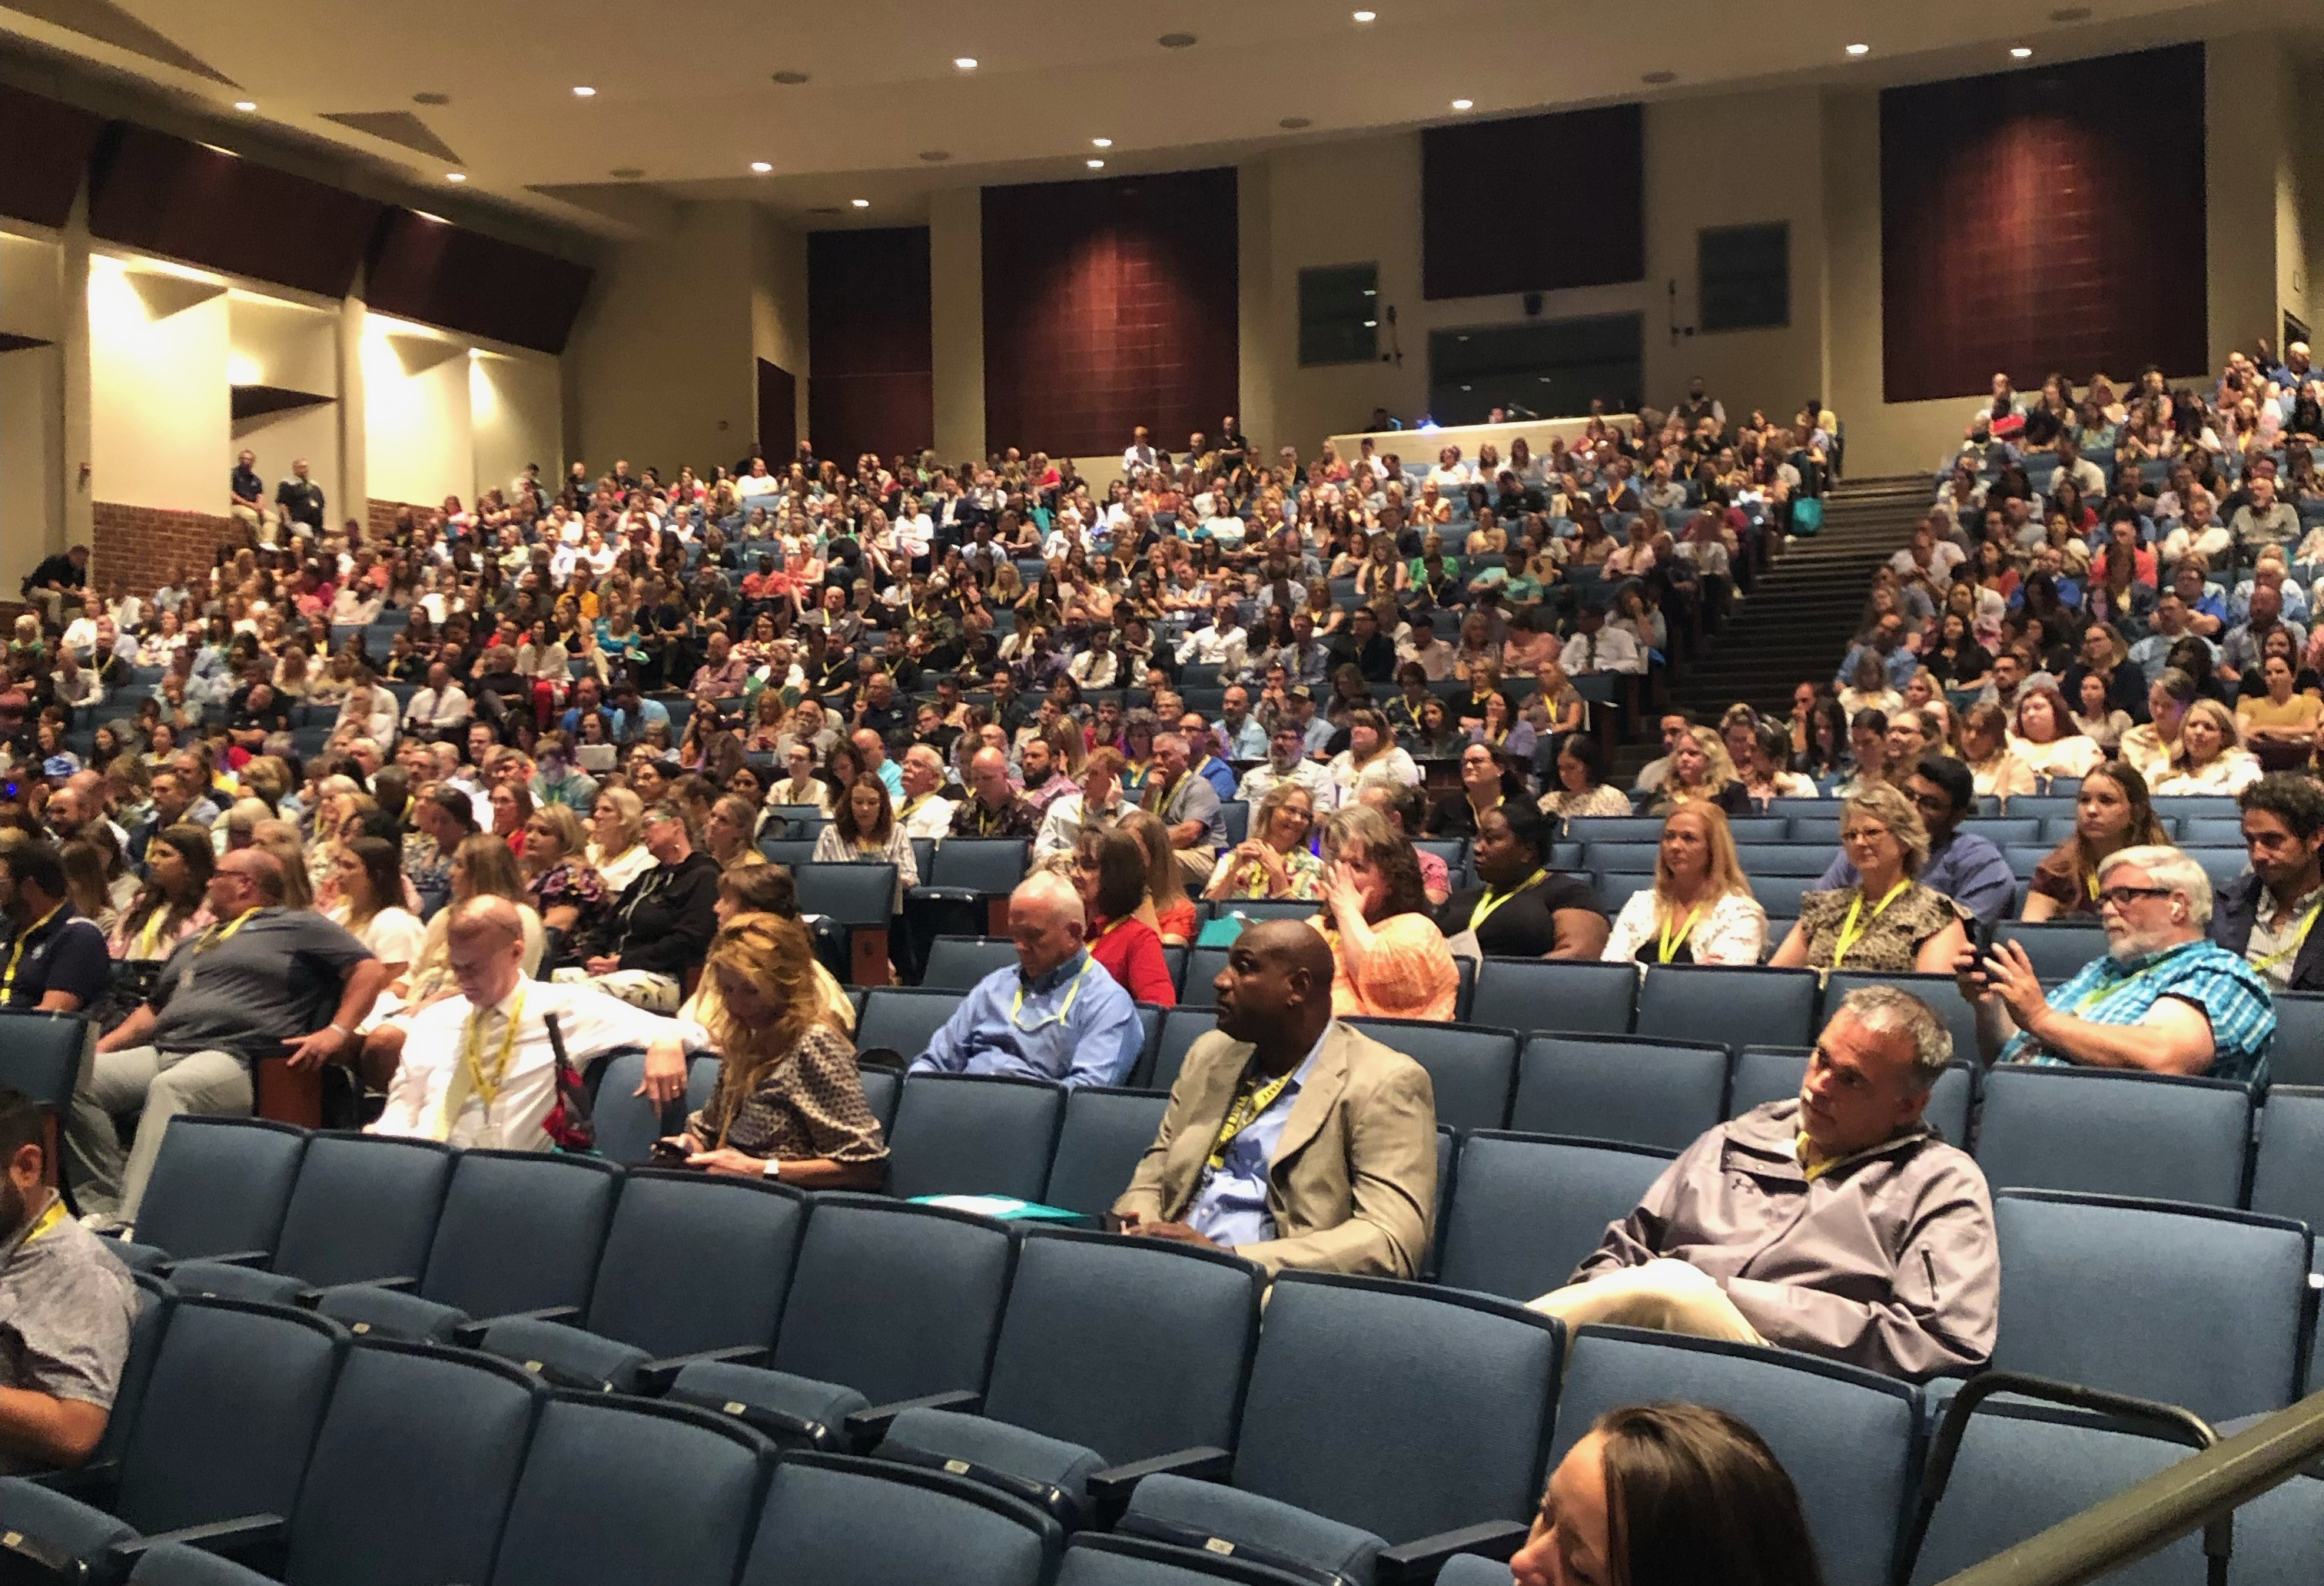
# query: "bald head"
[[1276, 991], [250, 877], [484, 943], [1047, 923]]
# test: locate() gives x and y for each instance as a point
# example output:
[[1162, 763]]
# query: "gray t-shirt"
[[277, 978], [1195, 799], [66, 1307]]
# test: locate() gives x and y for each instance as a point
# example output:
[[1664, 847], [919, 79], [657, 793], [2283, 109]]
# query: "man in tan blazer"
[[1291, 1140]]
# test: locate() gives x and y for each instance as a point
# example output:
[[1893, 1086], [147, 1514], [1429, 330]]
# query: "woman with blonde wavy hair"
[[789, 1104]]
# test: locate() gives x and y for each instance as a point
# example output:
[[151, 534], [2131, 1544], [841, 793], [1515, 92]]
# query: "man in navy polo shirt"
[[52, 958]]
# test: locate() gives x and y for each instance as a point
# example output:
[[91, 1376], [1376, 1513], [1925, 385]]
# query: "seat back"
[[957, 963], [1182, 1026], [669, 1229], [1202, 967], [1458, 1391], [1847, 1436], [155, 1299], [2109, 1292], [1527, 1210], [1096, 1559], [850, 894], [1941, 992], [1766, 1007], [229, 1414], [895, 1301], [40, 1053], [2288, 1179], [2297, 1058], [973, 1134], [839, 1520], [220, 1184], [627, 1123], [1188, 1317], [882, 1089], [1472, 1069], [1534, 993], [2096, 1131], [1629, 1088], [2057, 948], [990, 865], [364, 1205], [414, 1467], [901, 1020], [519, 1231], [1767, 1074], [1104, 1134], [630, 1492]]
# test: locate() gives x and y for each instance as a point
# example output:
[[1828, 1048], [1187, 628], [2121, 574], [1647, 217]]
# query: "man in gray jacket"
[[1837, 1223]]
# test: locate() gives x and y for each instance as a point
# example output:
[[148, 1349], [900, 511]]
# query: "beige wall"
[[159, 416], [417, 431], [514, 417], [2248, 120], [32, 406], [956, 320], [296, 346], [778, 315]]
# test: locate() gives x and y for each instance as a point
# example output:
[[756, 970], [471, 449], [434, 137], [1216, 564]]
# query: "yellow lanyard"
[[1671, 940], [1163, 802], [24, 939], [1249, 1104], [485, 1083], [2106, 993], [911, 806], [2299, 940], [1850, 934], [1488, 903], [1061, 1014], [219, 936], [48, 1221], [149, 940]]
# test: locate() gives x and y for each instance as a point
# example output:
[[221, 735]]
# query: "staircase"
[[1797, 622]]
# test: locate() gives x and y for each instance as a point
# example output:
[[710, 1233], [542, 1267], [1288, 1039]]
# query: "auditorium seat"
[[220, 1187], [654, 1297], [1105, 1133], [958, 963], [2097, 1132], [967, 884], [861, 900], [519, 1231], [627, 1123], [2124, 1294], [2057, 948], [1847, 1436], [41, 1055], [1627, 1088], [1730, 1006], [1443, 1441], [1182, 1026], [1766, 1073], [1056, 1411], [1195, 984], [973, 1134], [1472, 1069], [1526, 1209], [180, 1563], [1536, 993], [1093, 1559], [889, 1302], [2297, 1057], [841, 1521], [1941, 992], [901, 1021], [363, 1206], [2287, 1170]]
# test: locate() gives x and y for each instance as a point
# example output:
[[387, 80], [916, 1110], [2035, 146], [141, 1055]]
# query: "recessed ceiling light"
[[860, 203], [935, 156], [1094, 164], [222, 149], [2019, 53], [245, 104], [455, 176], [1295, 122], [584, 92], [432, 220], [1367, 16], [1859, 48], [1464, 104], [790, 79], [1101, 142], [761, 166], [1659, 77], [966, 62], [1176, 41]]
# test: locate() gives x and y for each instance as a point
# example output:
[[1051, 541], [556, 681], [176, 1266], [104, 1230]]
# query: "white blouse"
[[2234, 770], [1733, 930]]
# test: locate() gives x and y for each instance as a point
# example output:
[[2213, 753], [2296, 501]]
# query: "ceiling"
[[686, 97]]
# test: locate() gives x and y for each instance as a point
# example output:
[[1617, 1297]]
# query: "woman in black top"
[[1525, 909]]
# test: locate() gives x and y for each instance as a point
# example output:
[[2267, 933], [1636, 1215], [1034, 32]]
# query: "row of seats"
[[1045, 1361], [2030, 819]]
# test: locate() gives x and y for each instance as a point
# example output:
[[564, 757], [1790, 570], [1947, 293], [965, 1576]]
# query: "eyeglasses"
[[2123, 897]]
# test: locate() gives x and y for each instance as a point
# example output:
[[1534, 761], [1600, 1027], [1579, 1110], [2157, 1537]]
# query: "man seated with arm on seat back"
[[56, 960], [1837, 1223], [2165, 998], [1056, 1016], [262, 981], [477, 1067], [66, 1305], [2268, 916], [1291, 1140], [1963, 866]]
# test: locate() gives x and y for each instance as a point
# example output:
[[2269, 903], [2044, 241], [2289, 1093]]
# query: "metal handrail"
[[2164, 1507]]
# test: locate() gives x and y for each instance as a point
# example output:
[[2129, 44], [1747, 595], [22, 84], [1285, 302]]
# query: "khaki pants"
[[1669, 1297], [261, 524], [164, 1084], [640, 988], [1198, 863]]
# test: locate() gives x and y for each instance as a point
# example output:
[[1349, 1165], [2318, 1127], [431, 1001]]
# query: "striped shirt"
[[2217, 982]]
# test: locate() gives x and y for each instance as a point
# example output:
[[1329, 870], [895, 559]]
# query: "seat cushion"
[[792, 1410], [994, 1446], [391, 1313], [55, 1523], [229, 1281], [137, 1258], [566, 1356], [1204, 1513]]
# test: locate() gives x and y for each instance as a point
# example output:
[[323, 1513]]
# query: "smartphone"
[[667, 1154]]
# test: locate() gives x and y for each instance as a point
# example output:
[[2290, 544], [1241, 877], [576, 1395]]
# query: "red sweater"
[[1129, 950]]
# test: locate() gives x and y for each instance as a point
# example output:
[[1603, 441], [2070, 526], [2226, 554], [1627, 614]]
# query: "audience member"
[[1522, 908], [661, 925], [2268, 915], [2111, 812], [55, 956], [1888, 922], [1109, 871], [1275, 861], [1961, 865], [1700, 909], [1390, 960]]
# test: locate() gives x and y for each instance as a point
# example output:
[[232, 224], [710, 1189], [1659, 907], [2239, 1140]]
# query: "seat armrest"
[[866, 1427], [92, 1483], [470, 1335], [404, 1282], [1110, 1489], [1412, 1563], [224, 1258], [248, 1537], [653, 1378]]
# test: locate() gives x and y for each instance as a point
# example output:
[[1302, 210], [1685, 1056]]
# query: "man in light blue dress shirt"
[[1056, 1016]]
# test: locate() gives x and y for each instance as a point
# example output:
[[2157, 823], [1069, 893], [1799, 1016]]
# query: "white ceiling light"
[[436, 219], [455, 176], [584, 92], [1367, 16], [245, 104], [1464, 104], [1859, 48], [860, 203], [1101, 142], [1094, 164], [761, 166], [2019, 53], [966, 62]]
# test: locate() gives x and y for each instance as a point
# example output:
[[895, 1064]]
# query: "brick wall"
[[379, 517], [146, 545]]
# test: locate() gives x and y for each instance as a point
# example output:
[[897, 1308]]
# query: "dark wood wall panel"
[[1107, 305], [443, 274], [777, 413], [2049, 219], [167, 195], [1491, 219], [46, 146], [871, 345]]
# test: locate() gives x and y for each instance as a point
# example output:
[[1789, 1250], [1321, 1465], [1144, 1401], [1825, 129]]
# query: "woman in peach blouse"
[[1389, 959]]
